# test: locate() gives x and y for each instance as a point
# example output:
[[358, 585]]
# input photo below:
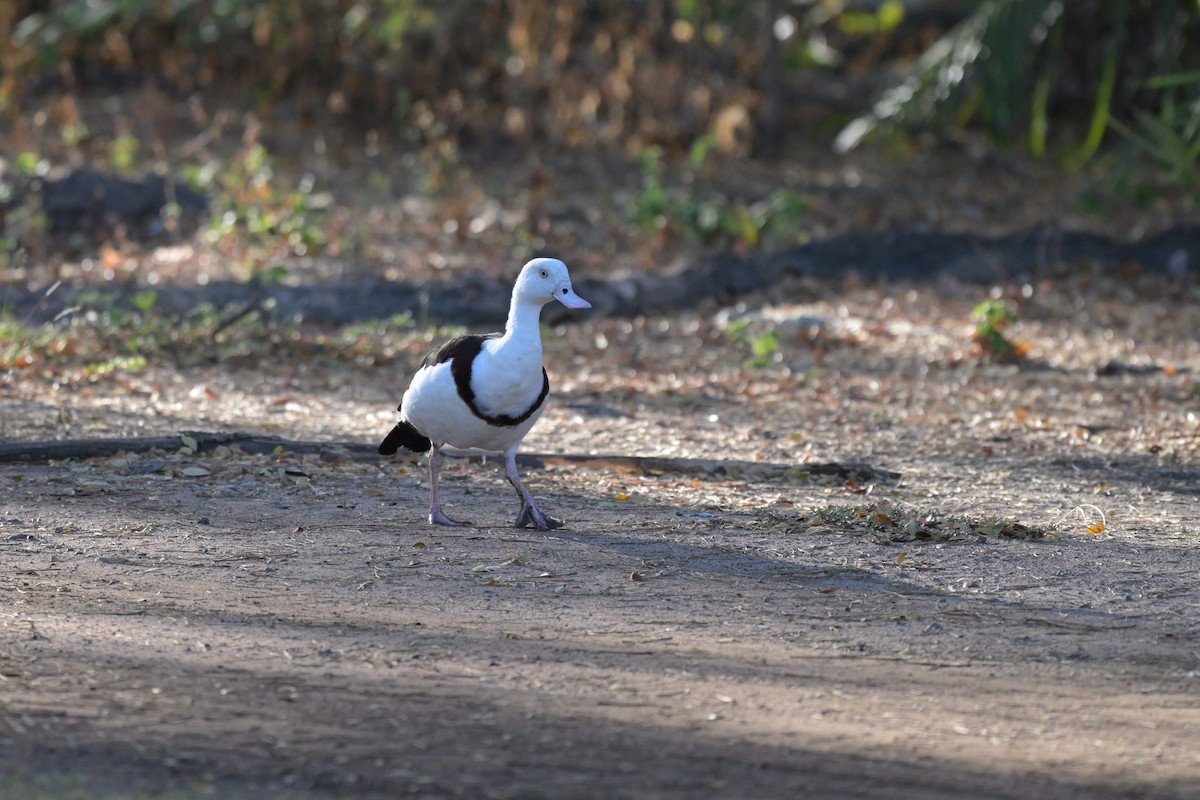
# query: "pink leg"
[[436, 517], [530, 513]]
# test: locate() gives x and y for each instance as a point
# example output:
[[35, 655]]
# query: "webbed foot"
[[436, 517], [531, 515]]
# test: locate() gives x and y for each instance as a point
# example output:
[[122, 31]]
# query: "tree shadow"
[[1144, 470], [384, 693], [402, 725], [472, 298]]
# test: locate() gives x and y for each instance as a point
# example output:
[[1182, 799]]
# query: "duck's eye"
[[545, 274], [564, 290]]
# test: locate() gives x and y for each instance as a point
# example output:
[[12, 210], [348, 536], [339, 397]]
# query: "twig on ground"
[[359, 451]]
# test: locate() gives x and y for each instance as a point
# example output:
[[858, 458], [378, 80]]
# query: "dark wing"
[[463, 348], [461, 351]]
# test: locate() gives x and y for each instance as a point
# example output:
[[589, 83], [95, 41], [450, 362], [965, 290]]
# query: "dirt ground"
[[275, 626], [232, 625]]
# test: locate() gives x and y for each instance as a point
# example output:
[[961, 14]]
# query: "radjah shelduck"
[[485, 391]]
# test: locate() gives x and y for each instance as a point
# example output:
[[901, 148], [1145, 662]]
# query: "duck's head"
[[546, 279]]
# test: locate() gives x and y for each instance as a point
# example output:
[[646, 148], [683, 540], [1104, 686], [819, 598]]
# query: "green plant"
[[711, 216], [22, 221], [145, 300], [1171, 137], [17, 343], [991, 317], [252, 206], [100, 369], [123, 152], [763, 346], [1122, 187], [885, 18], [652, 205], [263, 47], [106, 338], [1016, 65]]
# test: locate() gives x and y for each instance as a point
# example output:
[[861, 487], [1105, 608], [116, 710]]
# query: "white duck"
[[486, 391]]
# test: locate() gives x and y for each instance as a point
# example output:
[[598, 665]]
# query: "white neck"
[[523, 320]]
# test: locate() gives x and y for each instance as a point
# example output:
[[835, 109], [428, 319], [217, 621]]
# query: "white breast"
[[432, 404], [507, 380]]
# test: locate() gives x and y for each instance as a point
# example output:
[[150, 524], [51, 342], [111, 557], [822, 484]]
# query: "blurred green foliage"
[[254, 205], [102, 337], [1054, 76], [1030, 69], [991, 318], [709, 215], [763, 346], [1172, 136], [272, 46]]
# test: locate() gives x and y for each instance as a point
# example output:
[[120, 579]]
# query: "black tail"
[[406, 436]]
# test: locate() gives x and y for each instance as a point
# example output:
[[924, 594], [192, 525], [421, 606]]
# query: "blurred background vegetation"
[[326, 139], [222, 94], [1056, 78]]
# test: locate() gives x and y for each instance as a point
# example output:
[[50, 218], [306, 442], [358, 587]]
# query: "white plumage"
[[486, 391]]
